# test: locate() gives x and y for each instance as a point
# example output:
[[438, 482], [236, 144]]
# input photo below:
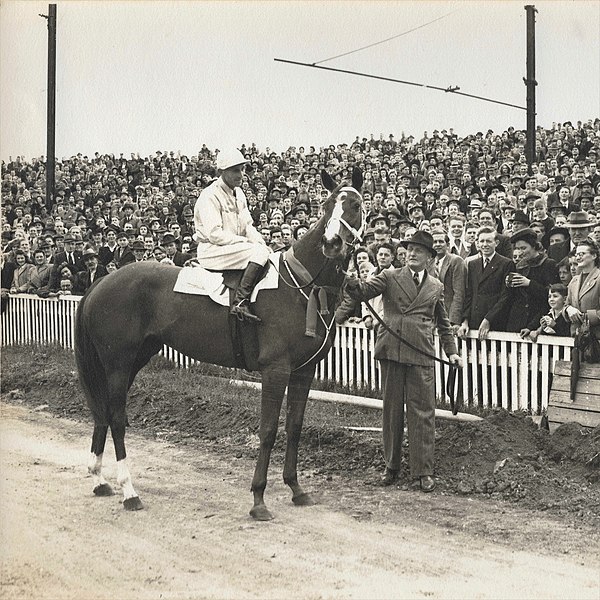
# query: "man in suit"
[[413, 304], [487, 219], [456, 231], [486, 297], [580, 227], [123, 254], [106, 253], [69, 255], [169, 243], [93, 271], [450, 269]]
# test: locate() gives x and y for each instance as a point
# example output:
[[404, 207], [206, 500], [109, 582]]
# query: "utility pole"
[[530, 82], [51, 107]]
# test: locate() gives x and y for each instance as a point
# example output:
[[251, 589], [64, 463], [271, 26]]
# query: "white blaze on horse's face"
[[334, 224]]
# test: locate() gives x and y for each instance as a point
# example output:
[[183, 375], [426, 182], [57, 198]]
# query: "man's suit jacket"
[[412, 313], [464, 249], [61, 257], [487, 296], [123, 256], [453, 274], [83, 279], [586, 298]]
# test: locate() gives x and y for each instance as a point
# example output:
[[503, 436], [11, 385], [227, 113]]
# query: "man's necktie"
[[416, 279], [486, 262]]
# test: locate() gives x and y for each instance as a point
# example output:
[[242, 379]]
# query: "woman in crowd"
[[529, 285], [583, 296], [22, 274]]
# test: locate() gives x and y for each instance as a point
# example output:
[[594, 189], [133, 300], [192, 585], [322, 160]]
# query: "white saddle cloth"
[[197, 280]]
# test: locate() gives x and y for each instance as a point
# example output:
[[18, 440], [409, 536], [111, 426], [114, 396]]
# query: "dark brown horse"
[[127, 317]]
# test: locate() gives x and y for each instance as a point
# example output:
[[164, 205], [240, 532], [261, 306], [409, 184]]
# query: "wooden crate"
[[585, 409]]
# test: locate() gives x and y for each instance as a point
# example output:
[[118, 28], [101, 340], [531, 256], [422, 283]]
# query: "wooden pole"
[[51, 108], [531, 83]]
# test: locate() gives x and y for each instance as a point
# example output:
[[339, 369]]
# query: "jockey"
[[226, 236]]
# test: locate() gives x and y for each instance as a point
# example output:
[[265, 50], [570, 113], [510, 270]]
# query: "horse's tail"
[[92, 375]]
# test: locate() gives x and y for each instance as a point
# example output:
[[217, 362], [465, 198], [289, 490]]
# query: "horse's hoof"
[[260, 513], [303, 500], [133, 503], [103, 490]]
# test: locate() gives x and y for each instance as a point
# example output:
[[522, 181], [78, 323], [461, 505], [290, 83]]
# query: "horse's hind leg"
[[298, 388], [101, 488], [273, 388], [118, 384]]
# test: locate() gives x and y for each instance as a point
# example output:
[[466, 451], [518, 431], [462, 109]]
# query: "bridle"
[[356, 233]]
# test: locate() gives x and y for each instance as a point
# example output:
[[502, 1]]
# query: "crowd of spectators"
[[111, 210]]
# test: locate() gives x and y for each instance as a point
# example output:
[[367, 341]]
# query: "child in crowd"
[[556, 321]]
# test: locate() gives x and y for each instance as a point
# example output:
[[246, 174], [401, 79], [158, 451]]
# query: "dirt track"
[[196, 540]]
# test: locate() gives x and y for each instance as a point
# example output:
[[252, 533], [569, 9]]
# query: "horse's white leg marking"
[[95, 469], [124, 480]]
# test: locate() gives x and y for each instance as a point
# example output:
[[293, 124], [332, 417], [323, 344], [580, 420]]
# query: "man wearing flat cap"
[[413, 304], [226, 236]]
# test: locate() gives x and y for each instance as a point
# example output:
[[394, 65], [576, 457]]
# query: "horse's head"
[[343, 214]]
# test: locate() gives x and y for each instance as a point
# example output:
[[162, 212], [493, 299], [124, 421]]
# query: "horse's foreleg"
[[274, 383], [101, 488], [298, 389]]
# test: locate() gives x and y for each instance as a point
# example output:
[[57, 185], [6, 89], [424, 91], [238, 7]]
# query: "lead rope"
[[451, 381]]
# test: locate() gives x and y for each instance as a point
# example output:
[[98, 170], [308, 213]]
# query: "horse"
[[128, 316]]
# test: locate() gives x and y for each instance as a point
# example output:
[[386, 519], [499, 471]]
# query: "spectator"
[[450, 269], [583, 297], [39, 276], [93, 271], [564, 271], [123, 255], [169, 244], [486, 296], [21, 275], [580, 227], [529, 285], [556, 322]]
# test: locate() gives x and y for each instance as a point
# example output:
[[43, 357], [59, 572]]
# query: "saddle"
[[244, 336]]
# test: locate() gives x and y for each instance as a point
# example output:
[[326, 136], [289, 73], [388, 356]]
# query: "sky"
[[146, 76]]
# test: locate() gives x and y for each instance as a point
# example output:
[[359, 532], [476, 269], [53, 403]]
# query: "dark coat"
[[504, 247], [529, 304], [105, 254], [61, 257], [123, 256], [82, 282], [179, 258], [558, 251], [487, 296], [349, 307]]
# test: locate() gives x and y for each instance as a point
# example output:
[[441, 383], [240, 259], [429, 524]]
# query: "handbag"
[[588, 344]]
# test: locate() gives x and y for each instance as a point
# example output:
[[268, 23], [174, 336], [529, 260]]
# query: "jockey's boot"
[[241, 301]]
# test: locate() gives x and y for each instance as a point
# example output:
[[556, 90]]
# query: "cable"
[[386, 40]]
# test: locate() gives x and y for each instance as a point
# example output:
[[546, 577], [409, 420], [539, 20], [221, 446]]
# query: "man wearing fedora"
[[93, 271], [413, 304], [226, 236], [579, 226]]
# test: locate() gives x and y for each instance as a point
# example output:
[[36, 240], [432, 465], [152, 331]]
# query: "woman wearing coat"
[[583, 296], [529, 285], [22, 274]]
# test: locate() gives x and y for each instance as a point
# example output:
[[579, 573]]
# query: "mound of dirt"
[[505, 457]]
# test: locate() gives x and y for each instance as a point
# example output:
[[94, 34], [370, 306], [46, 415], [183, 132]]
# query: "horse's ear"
[[328, 181], [357, 178]]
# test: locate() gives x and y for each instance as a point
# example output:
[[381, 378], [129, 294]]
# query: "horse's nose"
[[332, 246]]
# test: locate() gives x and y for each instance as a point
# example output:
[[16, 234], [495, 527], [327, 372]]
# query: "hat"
[[121, 234], [475, 203], [578, 219], [423, 238], [520, 217], [555, 203], [526, 235], [138, 245], [89, 251], [69, 239], [558, 229], [230, 158], [187, 210], [379, 217], [168, 238]]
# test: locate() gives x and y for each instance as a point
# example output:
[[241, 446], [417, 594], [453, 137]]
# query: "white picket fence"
[[502, 371]]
